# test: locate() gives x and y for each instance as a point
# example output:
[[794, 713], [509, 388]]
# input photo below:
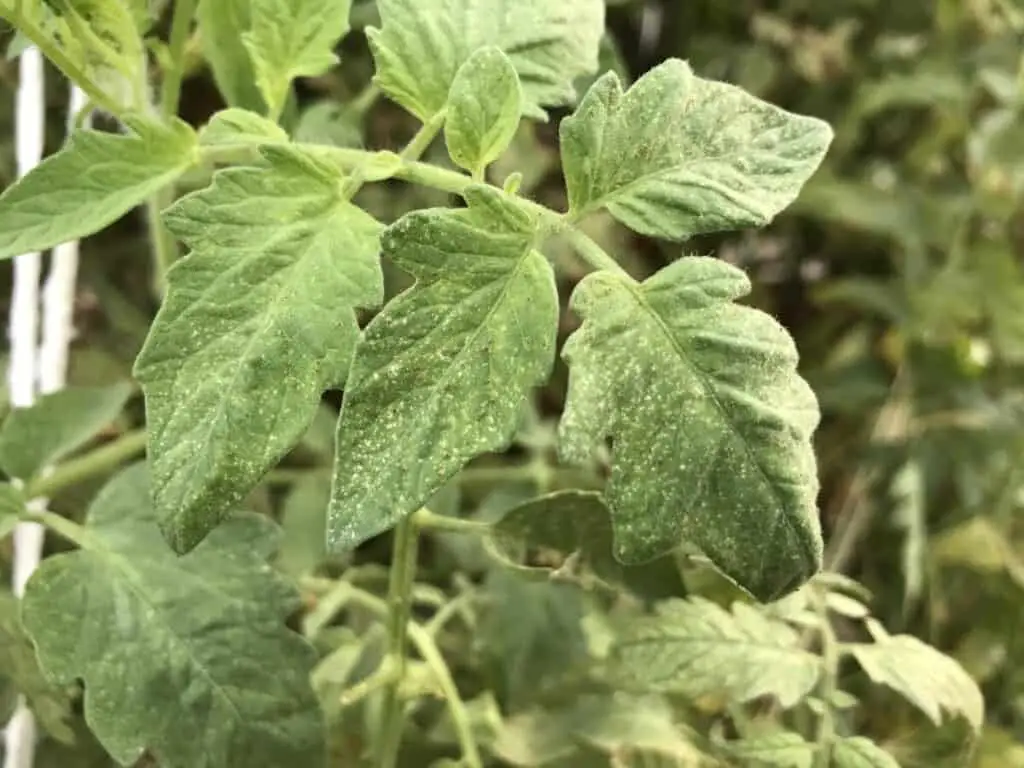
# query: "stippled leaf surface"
[[695, 648], [925, 677], [222, 25], [56, 425], [259, 320], [239, 127], [784, 749], [859, 752], [422, 44], [441, 373], [93, 181], [143, 627], [710, 423], [293, 38], [484, 107], [677, 155]]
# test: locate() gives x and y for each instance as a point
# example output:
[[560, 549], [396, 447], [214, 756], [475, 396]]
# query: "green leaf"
[[259, 320], [710, 423], [422, 44], [695, 648], [442, 372], [56, 425], [484, 106], [188, 657], [222, 26], [93, 181], [51, 704], [239, 127], [12, 506], [858, 752], [677, 155], [925, 677], [783, 749], [304, 518], [293, 38]]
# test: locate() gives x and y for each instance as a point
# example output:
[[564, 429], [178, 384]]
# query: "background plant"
[[545, 630]]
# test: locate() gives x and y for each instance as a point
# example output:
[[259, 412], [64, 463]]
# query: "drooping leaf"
[[56, 425], [441, 373], [677, 155], [222, 25], [93, 181], [144, 628], [259, 320], [784, 749], [925, 677], [293, 38], [710, 423], [51, 704], [239, 127], [695, 648], [484, 107], [422, 44], [859, 752]]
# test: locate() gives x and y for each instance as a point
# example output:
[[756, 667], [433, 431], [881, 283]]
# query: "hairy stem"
[[403, 571], [827, 687], [170, 88], [98, 462]]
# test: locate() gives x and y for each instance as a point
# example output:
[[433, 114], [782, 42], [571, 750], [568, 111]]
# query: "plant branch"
[[97, 462], [385, 674], [428, 649], [170, 88], [827, 688], [424, 518], [403, 571]]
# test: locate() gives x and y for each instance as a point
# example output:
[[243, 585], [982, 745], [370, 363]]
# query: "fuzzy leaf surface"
[[695, 648], [422, 44], [222, 26], [859, 752], [484, 106], [293, 38], [441, 373], [259, 320], [710, 422], [93, 181], [56, 425], [143, 627], [677, 155], [925, 677]]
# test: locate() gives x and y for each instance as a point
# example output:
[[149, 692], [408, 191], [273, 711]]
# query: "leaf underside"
[[709, 421], [259, 320]]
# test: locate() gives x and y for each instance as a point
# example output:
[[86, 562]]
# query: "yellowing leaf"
[[92, 182], [925, 677], [187, 657], [259, 320], [293, 38], [696, 648], [422, 44], [442, 372], [677, 155], [710, 423]]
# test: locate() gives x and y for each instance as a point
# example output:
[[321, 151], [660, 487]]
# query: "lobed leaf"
[[784, 749], [710, 424], [859, 752], [222, 25], [259, 320], [422, 44], [677, 155], [144, 628], [925, 677], [238, 127], [695, 648], [484, 106], [441, 373], [293, 38], [56, 425], [93, 181]]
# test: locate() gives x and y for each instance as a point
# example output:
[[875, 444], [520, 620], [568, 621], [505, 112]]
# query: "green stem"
[[67, 529], [165, 247], [170, 89], [589, 251], [385, 674], [403, 571], [428, 649], [827, 688], [424, 137], [64, 63], [98, 462], [424, 518], [365, 100]]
